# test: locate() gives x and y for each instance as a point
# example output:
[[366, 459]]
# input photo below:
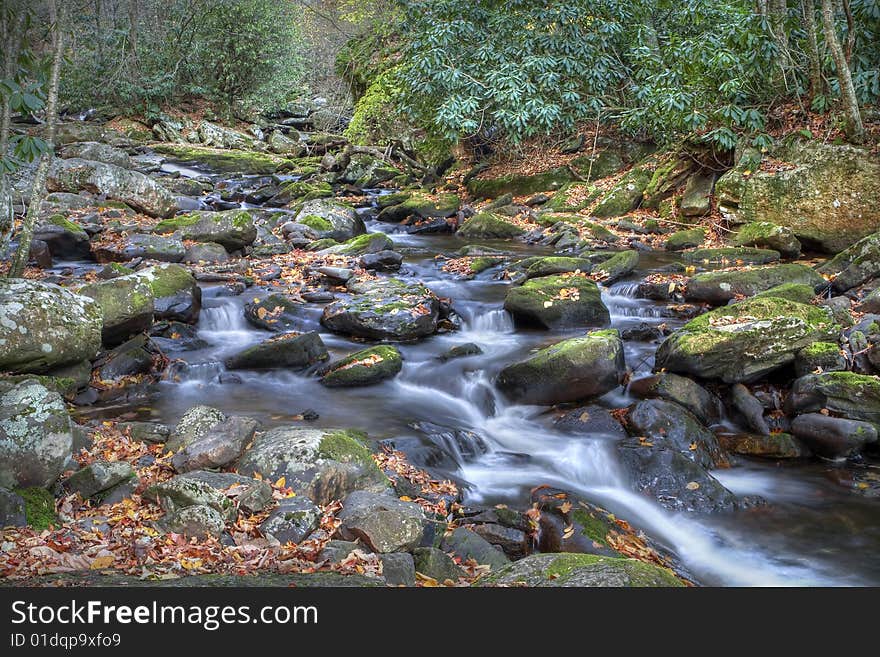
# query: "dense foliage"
[[664, 67], [147, 53]]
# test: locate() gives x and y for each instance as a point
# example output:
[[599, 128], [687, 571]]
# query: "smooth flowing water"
[[448, 417]]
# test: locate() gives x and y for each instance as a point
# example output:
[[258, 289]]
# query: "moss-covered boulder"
[[131, 187], [126, 306], [164, 248], [581, 570], [617, 266], [364, 368], [234, 229], [670, 425], [697, 198], [519, 185], [362, 244], [321, 464], [290, 350], [539, 267], [489, 225], [36, 435], [829, 196], [820, 357], [573, 197], [731, 256], [228, 160], [744, 341], [773, 446], [300, 191], [855, 265], [854, 396], [626, 195], [97, 152], [275, 312], [420, 205], [718, 287], [331, 219], [683, 391], [384, 309], [685, 239], [43, 326], [562, 301], [176, 294], [767, 235], [574, 369], [65, 238], [798, 292], [364, 170]]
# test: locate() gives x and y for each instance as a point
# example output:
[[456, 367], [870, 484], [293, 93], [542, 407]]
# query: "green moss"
[[487, 224], [764, 308], [640, 573], [315, 222], [61, 221], [798, 292], [519, 185], [593, 527], [561, 203], [821, 350], [380, 362], [39, 507], [346, 446], [483, 263], [625, 196], [684, 239], [732, 255], [365, 243], [166, 280], [303, 191], [176, 223], [229, 160], [320, 245]]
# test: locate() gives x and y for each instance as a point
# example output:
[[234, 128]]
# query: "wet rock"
[[64, 238], [672, 479], [668, 424], [293, 520], [323, 465], [436, 564], [833, 437], [731, 256], [131, 187], [421, 206], [98, 477], [511, 541], [12, 509], [275, 312], [683, 391], [39, 254], [331, 219], [126, 306], [294, 350], [43, 326], [197, 521], [364, 368], [854, 396], [220, 446], [135, 356], [552, 265], [232, 229], [206, 252], [773, 446], [489, 225], [744, 341], [460, 351], [617, 267], [570, 370], [177, 296], [384, 260], [820, 356], [644, 332], [767, 235], [685, 239], [591, 420], [384, 309], [581, 570], [750, 408], [163, 248], [719, 287], [383, 523], [467, 544], [555, 302], [36, 435]]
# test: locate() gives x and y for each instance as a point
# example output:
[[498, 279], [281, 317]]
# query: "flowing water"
[[811, 532]]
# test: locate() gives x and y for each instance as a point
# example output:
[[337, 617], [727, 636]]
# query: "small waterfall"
[[222, 323]]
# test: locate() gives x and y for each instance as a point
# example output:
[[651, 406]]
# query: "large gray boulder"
[[666, 423], [43, 326], [97, 152], [581, 570], [219, 446], [383, 523], [331, 219], [131, 187], [126, 306], [556, 302], [323, 465], [293, 350], [36, 435], [233, 229]]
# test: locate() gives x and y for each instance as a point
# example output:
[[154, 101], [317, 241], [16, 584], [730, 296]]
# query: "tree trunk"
[[809, 13], [38, 191], [778, 11], [855, 131], [850, 31], [11, 28]]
